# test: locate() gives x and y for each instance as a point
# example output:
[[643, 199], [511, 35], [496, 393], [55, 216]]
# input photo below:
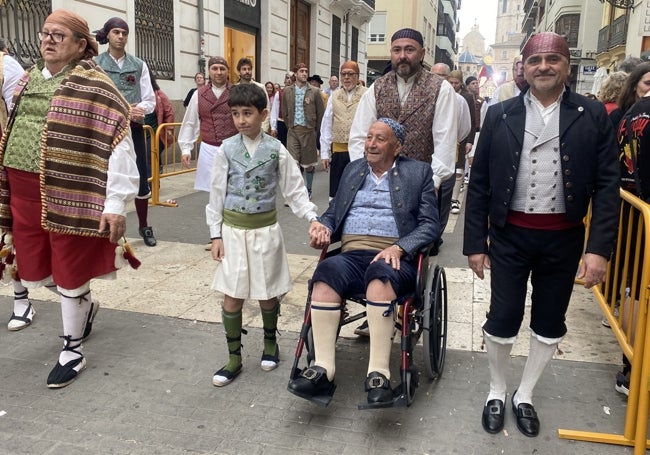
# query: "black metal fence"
[[154, 32], [20, 22]]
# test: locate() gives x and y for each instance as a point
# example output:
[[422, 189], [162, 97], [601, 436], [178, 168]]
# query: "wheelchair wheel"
[[435, 321]]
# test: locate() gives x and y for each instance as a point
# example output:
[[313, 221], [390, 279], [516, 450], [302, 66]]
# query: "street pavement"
[[158, 339]]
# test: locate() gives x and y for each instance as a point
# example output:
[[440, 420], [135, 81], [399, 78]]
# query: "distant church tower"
[[510, 15], [508, 38]]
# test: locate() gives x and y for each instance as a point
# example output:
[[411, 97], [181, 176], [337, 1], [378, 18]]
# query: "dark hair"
[[244, 61], [3, 44], [628, 94], [272, 84], [154, 82], [247, 95]]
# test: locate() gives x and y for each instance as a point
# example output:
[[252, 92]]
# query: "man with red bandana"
[[541, 159]]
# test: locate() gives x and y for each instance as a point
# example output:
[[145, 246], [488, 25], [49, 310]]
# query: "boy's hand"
[[185, 160], [217, 250]]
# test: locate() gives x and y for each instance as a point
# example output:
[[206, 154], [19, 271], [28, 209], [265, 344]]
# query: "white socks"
[[381, 336], [540, 353], [325, 319], [498, 351], [21, 298], [74, 313]]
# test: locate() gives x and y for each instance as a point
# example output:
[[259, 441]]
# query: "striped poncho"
[[86, 119]]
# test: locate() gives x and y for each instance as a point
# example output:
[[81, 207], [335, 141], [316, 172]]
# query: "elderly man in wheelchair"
[[384, 213]]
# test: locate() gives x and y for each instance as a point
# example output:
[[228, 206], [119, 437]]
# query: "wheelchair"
[[421, 314]]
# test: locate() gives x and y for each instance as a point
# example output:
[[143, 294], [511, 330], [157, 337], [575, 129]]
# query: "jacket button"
[[397, 188], [569, 198], [399, 205], [569, 185], [567, 172], [565, 158]]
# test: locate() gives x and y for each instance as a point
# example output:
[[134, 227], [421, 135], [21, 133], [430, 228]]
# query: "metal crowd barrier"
[[166, 160], [624, 300]]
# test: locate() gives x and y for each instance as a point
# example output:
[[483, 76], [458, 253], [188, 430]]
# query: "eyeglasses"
[[349, 74], [56, 37]]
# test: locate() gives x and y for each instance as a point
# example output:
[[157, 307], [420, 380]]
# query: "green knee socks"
[[270, 323], [232, 325]]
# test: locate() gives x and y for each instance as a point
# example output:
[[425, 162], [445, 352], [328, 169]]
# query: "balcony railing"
[[619, 31], [612, 35], [603, 40]]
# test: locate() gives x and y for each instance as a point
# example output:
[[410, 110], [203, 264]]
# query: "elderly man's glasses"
[[348, 74], [56, 37]]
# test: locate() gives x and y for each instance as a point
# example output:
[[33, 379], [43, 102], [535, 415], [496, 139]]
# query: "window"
[[354, 45], [378, 28], [569, 26], [504, 55], [154, 33], [335, 61]]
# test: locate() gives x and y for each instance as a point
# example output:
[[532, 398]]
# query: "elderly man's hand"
[[114, 224], [319, 235], [390, 255], [593, 269], [185, 160], [137, 113]]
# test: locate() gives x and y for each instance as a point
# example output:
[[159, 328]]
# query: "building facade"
[[390, 16], [508, 38], [575, 19], [177, 37]]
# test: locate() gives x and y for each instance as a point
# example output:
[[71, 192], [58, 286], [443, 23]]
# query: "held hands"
[[137, 114], [319, 235], [592, 269], [114, 224], [478, 263], [217, 250], [390, 255]]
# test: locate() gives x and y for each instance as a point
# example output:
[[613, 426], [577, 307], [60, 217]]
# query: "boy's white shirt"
[[290, 184]]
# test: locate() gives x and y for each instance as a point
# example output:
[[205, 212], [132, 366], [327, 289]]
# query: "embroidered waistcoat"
[[252, 180], [127, 78], [343, 112], [539, 186], [416, 114], [214, 114]]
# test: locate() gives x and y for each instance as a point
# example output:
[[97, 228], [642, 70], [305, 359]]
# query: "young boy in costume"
[[248, 170]]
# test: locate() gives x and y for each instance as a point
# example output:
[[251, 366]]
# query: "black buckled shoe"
[[311, 382], [493, 416], [527, 421], [378, 388], [147, 235]]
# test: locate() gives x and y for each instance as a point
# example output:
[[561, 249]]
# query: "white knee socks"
[[498, 351], [21, 298], [540, 353], [74, 313], [325, 319], [381, 337]]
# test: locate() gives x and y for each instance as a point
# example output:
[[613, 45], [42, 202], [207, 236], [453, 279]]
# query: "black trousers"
[[550, 259]]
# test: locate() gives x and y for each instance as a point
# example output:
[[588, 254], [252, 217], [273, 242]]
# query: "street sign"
[[589, 70]]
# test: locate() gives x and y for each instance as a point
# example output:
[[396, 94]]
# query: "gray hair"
[[629, 64]]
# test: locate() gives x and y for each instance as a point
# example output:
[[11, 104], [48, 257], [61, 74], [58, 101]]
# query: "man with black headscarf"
[[131, 76]]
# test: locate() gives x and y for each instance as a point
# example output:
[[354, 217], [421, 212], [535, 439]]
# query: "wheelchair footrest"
[[399, 401], [322, 400]]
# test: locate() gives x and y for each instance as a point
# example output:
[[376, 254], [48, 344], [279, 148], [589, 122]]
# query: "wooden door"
[[300, 31]]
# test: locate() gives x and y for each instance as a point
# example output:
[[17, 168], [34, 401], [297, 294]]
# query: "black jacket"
[[588, 155]]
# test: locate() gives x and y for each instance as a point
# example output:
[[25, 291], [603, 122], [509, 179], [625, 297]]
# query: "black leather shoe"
[[527, 421], [493, 416], [378, 388], [311, 382], [147, 235]]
